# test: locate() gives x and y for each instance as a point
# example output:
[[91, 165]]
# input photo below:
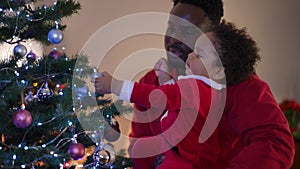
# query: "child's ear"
[[219, 73]]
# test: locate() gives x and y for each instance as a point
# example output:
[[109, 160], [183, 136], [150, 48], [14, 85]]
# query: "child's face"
[[203, 60]]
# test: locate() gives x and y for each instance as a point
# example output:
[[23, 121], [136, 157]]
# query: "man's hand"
[[108, 84]]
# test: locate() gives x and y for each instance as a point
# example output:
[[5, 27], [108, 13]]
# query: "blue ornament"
[[20, 49], [55, 36], [31, 56], [82, 91]]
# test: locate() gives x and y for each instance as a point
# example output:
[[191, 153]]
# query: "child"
[[190, 101]]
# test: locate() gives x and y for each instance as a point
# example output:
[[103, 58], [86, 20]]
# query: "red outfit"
[[144, 129], [253, 132], [188, 102]]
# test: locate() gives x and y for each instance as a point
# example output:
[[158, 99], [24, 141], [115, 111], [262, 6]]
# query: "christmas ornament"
[[20, 49], [112, 132], [44, 93], [82, 91], [22, 118], [30, 97], [76, 150], [55, 36], [31, 56], [94, 75], [55, 54], [104, 156]]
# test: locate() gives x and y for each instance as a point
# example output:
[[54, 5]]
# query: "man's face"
[[182, 32]]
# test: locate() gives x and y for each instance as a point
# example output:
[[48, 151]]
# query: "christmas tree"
[[50, 118]]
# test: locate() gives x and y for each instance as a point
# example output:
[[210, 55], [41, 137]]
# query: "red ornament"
[[55, 54], [112, 132], [22, 118], [76, 150]]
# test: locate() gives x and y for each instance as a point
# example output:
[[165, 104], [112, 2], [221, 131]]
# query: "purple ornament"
[[55, 54], [31, 56], [22, 118], [76, 150]]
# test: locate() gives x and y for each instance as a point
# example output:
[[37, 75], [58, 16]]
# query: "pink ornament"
[[76, 150], [22, 118], [55, 54]]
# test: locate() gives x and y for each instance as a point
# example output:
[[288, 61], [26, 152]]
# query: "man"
[[179, 41], [253, 132]]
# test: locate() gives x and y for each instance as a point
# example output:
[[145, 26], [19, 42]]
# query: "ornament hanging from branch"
[[31, 56], [20, 50], [104, 156], [22, 117], [44, 93], [76, 151], [55, 54], [55, 35]]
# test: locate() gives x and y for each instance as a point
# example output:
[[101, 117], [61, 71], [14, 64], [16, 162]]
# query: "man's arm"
[[261, 125]]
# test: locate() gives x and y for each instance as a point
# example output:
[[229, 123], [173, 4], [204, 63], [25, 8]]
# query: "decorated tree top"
[[26, 19]]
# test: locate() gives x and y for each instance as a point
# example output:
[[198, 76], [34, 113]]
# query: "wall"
[[274, 24]]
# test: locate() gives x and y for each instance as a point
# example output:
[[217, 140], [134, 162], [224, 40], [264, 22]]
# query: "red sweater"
[[253, 132]]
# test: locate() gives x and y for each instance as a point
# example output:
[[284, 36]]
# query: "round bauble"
[[76, 150], [31, 56], [20, 50], [22, 118], [55, 36], [30, 98], [82, 91], [104, 156], [55, 54]]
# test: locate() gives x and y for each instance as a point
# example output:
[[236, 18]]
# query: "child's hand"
[[161, 70], [107, 84]]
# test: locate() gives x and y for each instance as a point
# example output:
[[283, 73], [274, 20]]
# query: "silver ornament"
[[44, 92], [30, 97], [55, 36], [104, 156], [20, 49], [82, 91], [94, 75]]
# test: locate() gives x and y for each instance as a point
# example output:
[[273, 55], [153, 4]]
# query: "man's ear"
[[219, 73]]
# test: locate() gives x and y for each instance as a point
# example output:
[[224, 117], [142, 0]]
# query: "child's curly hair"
[[238, 52], [213, 8]]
